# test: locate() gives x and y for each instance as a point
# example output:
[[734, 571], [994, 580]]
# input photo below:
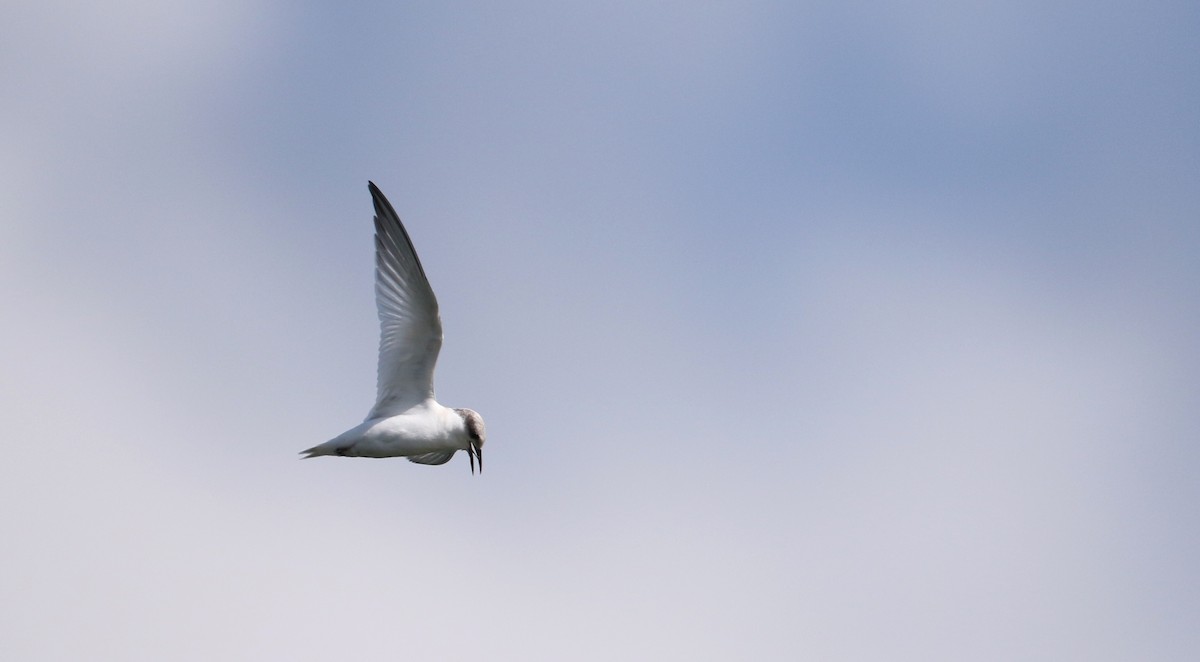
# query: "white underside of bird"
[[406, 420]]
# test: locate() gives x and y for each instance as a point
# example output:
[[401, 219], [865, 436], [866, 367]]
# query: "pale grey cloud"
[[853, 335]]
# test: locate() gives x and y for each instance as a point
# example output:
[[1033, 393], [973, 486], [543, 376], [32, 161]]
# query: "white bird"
[[406, 419]]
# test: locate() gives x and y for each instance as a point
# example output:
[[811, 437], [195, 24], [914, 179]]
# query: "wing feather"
[[410, 328], [439, 457]]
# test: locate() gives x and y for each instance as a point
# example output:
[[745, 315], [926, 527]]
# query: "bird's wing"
[[439, 457], [410, 328]]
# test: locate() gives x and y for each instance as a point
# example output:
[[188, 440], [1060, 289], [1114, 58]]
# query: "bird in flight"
[[406, 420]]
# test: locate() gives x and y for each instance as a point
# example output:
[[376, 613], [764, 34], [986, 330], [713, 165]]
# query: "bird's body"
[[406, 419], [426, 429]]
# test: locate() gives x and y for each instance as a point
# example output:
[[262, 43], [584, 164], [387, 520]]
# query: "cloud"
[[750, 391]]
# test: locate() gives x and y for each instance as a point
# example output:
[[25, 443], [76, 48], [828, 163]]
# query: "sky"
[[832, 331]]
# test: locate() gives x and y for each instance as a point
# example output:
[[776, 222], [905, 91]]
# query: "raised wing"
[[410, 327]]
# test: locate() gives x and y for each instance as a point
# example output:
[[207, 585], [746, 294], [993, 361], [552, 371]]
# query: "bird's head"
[[476, 435]]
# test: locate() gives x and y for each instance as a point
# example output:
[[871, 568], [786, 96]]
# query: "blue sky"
[[801, 330]]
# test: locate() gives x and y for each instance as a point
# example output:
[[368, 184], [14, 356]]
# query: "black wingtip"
[[382, 205], [384, 210], [376, 194]]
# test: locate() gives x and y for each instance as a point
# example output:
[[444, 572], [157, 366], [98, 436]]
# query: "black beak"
[[474, 450]]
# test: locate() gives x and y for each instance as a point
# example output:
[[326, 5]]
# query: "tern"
[[406, 420]]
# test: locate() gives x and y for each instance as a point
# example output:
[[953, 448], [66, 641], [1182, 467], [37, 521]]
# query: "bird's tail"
[[327, 448]]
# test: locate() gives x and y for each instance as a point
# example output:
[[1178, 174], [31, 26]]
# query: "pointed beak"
[[474, 450]]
